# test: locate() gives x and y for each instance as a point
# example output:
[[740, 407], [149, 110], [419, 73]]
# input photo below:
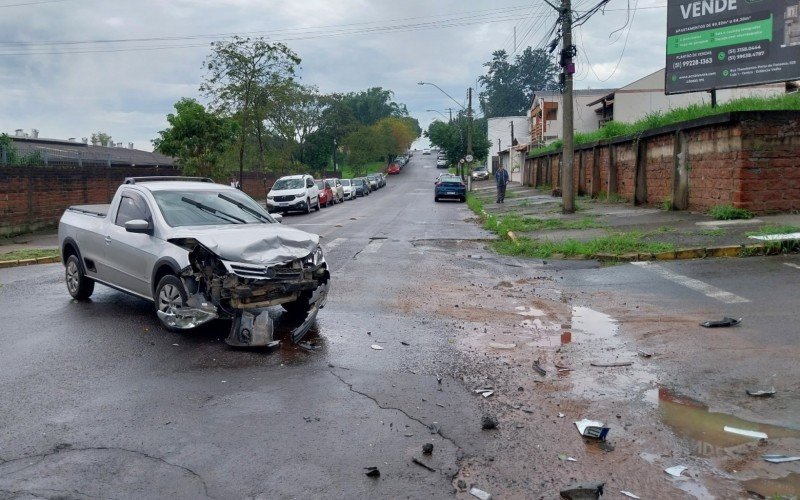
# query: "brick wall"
[[747, 159], [33, 198]]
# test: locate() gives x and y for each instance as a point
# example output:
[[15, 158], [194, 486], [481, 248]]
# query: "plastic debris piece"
[[592, 428], [676, 470], [482, 495], [427, 448], [745, 432], [372, 472], [488, 423], [541, 371], [438, 378], [566, 458], [561, 415], [434, 428], [644, 354], [725, 321], [423, 465], [611, 365], [376, 347], [629, 494], [779, 459], [308, 346], [761, 393], [404, 343], [487, 394], [583, 491], [499, 345]]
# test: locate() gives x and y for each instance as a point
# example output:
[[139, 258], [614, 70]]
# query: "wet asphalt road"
[[99, 401]]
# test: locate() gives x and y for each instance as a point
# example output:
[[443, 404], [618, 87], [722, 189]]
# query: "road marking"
[[792, 265], [700, 286], [335, 243], [373, 246]]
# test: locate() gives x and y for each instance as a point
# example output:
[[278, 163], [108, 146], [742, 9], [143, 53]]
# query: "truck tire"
[[170, 295], [78, 285]]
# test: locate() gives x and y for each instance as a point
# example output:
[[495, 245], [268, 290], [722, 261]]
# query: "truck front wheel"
[[170, 296], [78, 285]]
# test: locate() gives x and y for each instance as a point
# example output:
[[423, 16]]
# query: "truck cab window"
[[131, 207]]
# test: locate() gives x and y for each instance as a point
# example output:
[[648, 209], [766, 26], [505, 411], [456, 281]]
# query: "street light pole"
[[568, 68], [443, 92], [436, 111]]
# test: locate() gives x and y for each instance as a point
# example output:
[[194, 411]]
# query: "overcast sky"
[[62, 72]]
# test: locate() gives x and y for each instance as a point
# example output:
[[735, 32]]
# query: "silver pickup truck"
[[199, 251]]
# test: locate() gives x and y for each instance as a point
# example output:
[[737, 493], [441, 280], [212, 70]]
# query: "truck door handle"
[[108, 239]]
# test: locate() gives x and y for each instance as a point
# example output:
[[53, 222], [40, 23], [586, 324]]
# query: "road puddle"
[[784, 487], [589, 325], [706, 429]]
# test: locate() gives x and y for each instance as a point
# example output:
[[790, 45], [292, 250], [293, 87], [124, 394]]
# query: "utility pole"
[[451, 114], [334, 154], [469, 129], [515, 39], [498, 146], [568, 68], [512, 131]]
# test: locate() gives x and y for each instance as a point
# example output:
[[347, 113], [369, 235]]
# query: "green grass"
[[349, 171], [661, 119], [31, 253], [474, 204], [774, 229], [729, 212], [714, 232], [613, 244], [666, 205], [502, 225], [612, 198]]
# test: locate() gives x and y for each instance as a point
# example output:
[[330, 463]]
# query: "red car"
[[325, 193], [393, 169]]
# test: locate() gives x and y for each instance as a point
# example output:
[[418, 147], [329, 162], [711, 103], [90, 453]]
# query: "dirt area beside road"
[[506, 319]]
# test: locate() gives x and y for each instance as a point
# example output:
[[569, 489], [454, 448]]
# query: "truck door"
[[130, 256]]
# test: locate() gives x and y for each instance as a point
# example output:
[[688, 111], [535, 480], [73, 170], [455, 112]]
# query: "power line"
[[23, 4]]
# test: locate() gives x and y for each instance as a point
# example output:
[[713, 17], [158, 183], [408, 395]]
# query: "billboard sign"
[[715, 44]]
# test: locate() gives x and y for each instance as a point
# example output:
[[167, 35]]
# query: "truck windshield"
[[209, 208]]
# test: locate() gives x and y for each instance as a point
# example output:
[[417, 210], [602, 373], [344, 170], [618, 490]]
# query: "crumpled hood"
[[262, 244]]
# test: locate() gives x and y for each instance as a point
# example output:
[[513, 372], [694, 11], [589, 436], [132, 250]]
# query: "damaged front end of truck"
[[270, 273]]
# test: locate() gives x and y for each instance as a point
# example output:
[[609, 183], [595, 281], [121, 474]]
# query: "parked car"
[[361, 186], [293, 193], [393, 169], [426, 151], [325, 192], [480, 174], [381, 179], [441, 163], [338, 190], [198, 251], [450, 186], [348, 189], [373, 182]]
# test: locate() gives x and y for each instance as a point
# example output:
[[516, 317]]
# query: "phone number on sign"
[[691, 63]]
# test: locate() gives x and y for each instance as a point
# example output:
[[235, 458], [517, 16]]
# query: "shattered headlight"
[[315, 258]]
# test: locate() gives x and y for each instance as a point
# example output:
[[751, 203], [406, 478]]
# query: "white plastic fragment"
[[628, 494], [592, 428], [745, 432], [779, 459], [499, 345], [482, 495], [676, 471], [376, 347]]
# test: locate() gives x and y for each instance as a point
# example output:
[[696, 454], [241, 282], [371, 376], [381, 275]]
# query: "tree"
[[241, 72], [371, 105], [452, 138], [197, 138], [510, 86], [102, 138], [362, 147], [293, 112], [10, 156]]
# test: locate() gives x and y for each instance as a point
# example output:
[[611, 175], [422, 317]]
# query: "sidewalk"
[[691, 234]]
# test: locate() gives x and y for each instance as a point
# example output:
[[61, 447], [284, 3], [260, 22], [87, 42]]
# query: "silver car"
[[337, 188]]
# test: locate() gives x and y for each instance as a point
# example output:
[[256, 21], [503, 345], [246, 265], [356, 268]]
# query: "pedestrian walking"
[[501, 176]]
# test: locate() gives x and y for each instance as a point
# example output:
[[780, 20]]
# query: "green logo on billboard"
[[726, 73], [721, 56], [674, 78]]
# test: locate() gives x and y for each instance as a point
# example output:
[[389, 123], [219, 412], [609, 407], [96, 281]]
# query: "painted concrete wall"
[[500, 128]]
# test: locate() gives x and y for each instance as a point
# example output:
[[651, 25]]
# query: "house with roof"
[[546, 114]]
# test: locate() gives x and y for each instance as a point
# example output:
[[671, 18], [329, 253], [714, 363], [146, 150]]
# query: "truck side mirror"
[[139, 226]]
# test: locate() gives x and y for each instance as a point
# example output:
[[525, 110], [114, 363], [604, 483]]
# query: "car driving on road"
[[480, 174]]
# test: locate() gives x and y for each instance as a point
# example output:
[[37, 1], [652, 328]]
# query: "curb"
[[729, 251], [29, 262]]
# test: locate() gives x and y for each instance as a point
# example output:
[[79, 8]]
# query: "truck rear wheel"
[[78, 285]]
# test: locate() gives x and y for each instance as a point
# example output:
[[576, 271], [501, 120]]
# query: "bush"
[[729, 212]]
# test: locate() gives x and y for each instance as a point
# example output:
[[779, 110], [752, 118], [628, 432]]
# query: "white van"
[[293, 193]]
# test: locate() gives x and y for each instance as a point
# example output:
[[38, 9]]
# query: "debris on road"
[[725, 321], [561, 415], [376, 347], [372, 472], [562, 368], [583, 491], [566, 458], [438, 378], [779, 459], [745, 432], [423, 465], [485, 391], [629, 494], [592, 428], [541, 371], [308, 346], [644, 354], [610, 365], [480, 494], [488, 423], [405, 343], [499, 345], [676, 470], [761, 393], [427, 448], [434, 428]]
